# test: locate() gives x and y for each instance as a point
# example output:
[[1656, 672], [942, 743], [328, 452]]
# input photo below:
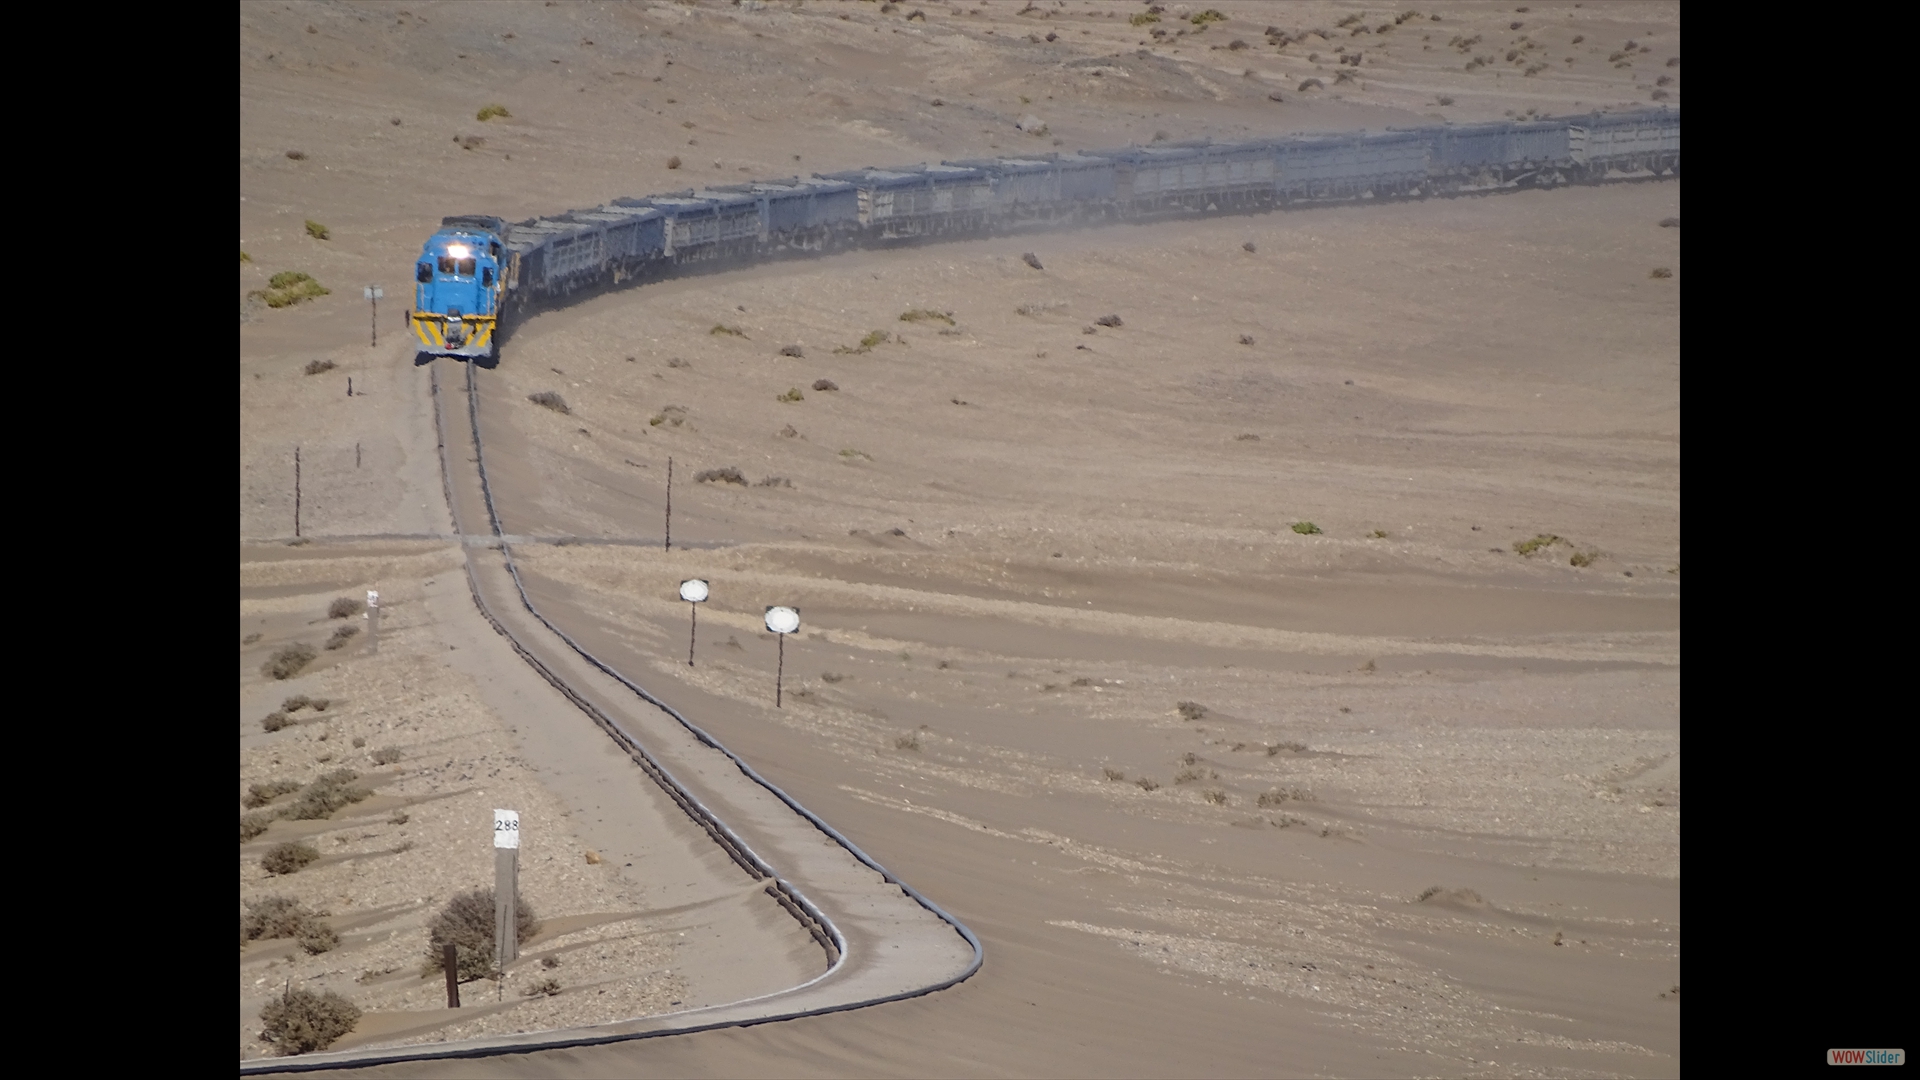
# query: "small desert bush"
[[907, 742], [793, 394], [851, 453], [1581, 558], [1310, 84], [297, 701], [1143, 18], [1660, 272], [252, 825], [876, 337], [673, 162], [275, 720], [1305, 528], [724, 475], [282, 917], [774, 482], [1296, 747], [825, 384], [343, 607], [1147, 784], [296, 155], [543, 988], [1544, 540], [326, 795], [290, 661], [359, 741], [721, 330], [386, 755], [1113, 774], [287, 858], [1217, 798], [318, 231], [1282, 795], [1191, 710], [301, 1021], [320, 367], [547, 399], [341, 635], [1205, 17], [1670, 223], [466, 923], [1188, 776], [259, 795], [289, 287], [491, 111], [919, 315], [1107, 320], [831, 677]]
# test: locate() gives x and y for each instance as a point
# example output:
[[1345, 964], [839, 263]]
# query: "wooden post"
[[506, 887], [450, 959], [669, 546], [691, 629], [296, 493], [781, 671]]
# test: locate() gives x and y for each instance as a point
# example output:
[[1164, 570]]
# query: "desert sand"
[[1420, 814]]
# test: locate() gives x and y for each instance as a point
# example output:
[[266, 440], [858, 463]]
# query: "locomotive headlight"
[[458, 251]]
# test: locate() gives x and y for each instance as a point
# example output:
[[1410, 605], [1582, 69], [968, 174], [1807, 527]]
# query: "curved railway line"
[[884, 940]]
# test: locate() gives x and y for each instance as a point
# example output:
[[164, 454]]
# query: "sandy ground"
[[1428, 821]]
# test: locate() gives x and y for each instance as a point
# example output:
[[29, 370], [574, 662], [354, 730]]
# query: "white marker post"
[[782, 621], [374, 295], [373, 621], [506, 887], [694, 592]]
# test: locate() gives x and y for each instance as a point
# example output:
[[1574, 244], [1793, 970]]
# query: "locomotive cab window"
[[493, 249], [466, 268], [423, 272], [446, 264], [486, 277]]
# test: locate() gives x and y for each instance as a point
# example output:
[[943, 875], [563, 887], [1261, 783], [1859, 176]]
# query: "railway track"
[[883, 940]]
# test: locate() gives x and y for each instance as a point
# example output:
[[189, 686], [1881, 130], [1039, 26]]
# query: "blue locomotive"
[[477, 272], [458, 288]]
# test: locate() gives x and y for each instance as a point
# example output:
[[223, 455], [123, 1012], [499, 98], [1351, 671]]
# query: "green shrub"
[[282, 917], [1205, 17], [1305, 528], [728, 331], [792, 395], [1544, 540], [301, 1022], [877, 337], [317, 231], [491, 111], [918, 315], [1144, 18], [289, 287]]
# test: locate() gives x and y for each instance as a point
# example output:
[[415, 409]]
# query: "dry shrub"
[[724, 475], [1311, 84], [792, 395], [1217, 798], [320, 367], [723, 330], [922, 315], [543, 988], [259, 795], [296, 155], [1147, 784], [1281, 795], [547, 399], [386, 755], [1296, 747], [287, 858], [301, 1022], [466, 923], [673, 162], [1660, 272], [794, 351], [1191, 710], [274, 721], [297, 701], [282, 917], [774, 482], [908, 741], [1670, 223], [1113, 774], [1031, 259], [290, 661], [1187, 776], [825, 384], [252, 825], [341, 635], [289, 287], [326, 795], [1107, 320]]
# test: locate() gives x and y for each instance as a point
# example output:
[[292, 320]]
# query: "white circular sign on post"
[[783, 620], [506, 828], [693, 590]]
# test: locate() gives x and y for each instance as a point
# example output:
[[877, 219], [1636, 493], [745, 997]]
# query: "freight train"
[[477, 271]]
